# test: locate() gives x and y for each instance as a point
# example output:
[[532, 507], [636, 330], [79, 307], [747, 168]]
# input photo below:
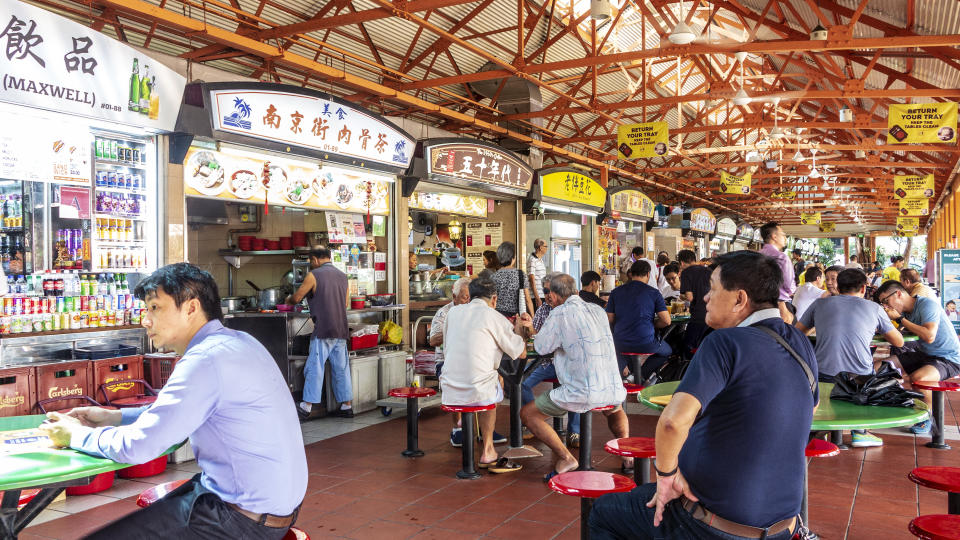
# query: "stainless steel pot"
[[269, 298], [234, 304]]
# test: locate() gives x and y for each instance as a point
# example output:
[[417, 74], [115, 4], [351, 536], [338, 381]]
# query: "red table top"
[[938, 386], [633, 388], [936, 527], [821, 448], [643, 354], [605, 408], [638, 447], [412, 392], [590, 484], [942, 478], [467, 408]]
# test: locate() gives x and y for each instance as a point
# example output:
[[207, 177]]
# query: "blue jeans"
[[322, 350], [538, 376], [625, 515]]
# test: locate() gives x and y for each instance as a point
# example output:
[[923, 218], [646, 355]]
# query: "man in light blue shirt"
[[227, 395]]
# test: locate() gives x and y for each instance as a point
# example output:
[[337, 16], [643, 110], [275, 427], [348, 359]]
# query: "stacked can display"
[[68, 301]]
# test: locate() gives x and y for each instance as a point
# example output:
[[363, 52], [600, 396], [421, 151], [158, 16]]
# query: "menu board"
[[481, 236], [745, 232], [480, 163], [449, 203], [238, 175], [631, 201], [42, 151], [609, 245], [702, 220], [345, 228]]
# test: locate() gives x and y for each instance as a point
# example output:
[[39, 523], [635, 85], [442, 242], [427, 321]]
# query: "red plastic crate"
[[117, 370], [364, 342], [157, 368], [17, 391], [65, 380]]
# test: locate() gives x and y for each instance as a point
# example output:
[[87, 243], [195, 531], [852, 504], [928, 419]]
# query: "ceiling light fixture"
[[600, 10], [682, 34], [819, 33], [798, 156]]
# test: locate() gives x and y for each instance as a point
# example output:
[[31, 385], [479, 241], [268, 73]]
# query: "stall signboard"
[[703, 220], [479, 163], [56, 64], [908, 224], [345, 228], [949, 273], [745, 232], [633, 202], [572, 187], [922, 123], [241, 176], [726, 229], [449, 203], [828, 227], [737, 185], [913, 187], [810, 218], [310, 121], [914, 207], [45, 151], [649, 139]]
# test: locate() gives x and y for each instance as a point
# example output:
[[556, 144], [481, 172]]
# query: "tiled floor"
[[360, 487]]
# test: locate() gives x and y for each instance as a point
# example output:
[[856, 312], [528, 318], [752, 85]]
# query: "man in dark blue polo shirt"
[[742, 387], [636, 310]]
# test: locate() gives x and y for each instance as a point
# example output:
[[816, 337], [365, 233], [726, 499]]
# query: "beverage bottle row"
[[112, 150], [76, 320], [118, 230], [11, 208], [68, 284], [125, 204], [119, 179], [116, 258]]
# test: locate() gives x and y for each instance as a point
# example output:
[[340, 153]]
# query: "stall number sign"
[[631, 201], [812, 218], [573, 187], [703, 220], [828, 227], [739, 185], [908, 224], [913, 187], [645, 140], [922, 123], [479, 163], [914, 207]]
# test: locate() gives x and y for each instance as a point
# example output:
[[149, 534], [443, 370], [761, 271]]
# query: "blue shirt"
[[227, 395], [845, 327], [945, 344], [744, 455], [635, 306]]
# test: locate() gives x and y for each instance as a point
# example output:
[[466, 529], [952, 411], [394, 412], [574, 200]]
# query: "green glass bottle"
[[145, 87], [134, 99]]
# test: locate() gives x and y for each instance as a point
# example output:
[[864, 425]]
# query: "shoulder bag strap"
[[806, 369]]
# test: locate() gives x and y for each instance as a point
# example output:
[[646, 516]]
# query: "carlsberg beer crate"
[[66, 382], [17, 391]]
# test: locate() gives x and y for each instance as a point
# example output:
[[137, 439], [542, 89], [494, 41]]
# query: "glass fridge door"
[[566, 258], [69, 227], [14, 229]]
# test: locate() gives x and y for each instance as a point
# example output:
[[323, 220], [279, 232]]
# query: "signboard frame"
[[547, 188], [425, 170]]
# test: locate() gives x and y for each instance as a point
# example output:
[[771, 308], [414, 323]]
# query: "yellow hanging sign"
[[812, 218], [649, 139], [573, 187], [739, 185], [912, 186], [828, 227], [786, 194], [908, 224], [914, 207], [922, 123]]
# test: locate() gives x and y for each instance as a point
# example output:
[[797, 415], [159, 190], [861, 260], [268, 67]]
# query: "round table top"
[[831, 414], [639, 447], [47, 466], [942, 478], [936, 526], [590, 484], [937, 386]]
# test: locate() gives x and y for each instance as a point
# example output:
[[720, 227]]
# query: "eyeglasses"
[[883, 301]]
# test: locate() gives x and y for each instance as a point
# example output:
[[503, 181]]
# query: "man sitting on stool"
[[635, 310], [578, 335]]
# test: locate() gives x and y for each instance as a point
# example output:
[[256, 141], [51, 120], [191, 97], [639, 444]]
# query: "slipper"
[[504, 465], [548, 476]]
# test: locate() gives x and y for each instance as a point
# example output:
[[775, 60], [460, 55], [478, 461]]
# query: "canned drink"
[[18, 305], [112, 179], [15, 325], [137, 181], [135, 316], [37, 323], [136, 155], [84, 319], [113, 150], [84, 303], [4, 325], [93, 319], [99, 182], [8, 305], [101, 302], [47, 322], [75, 322], [99, 146], [126, 317], [111, 318], [56, 322]]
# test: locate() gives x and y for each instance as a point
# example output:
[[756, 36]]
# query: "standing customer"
[[636, 254], [635, 311], [537, 270], [248, 444], [774, 240], [510, 282], [325, 288], [799, 265], [694, 286], [742, 385]]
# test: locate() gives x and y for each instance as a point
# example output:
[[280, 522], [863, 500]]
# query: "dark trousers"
[[661, 353], [692, 336], [189, 512], [625, 515]]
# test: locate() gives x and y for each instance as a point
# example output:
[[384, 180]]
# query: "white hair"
[[460, 284]]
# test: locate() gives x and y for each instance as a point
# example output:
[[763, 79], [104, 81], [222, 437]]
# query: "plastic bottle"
[[111, 285], [21, 284]]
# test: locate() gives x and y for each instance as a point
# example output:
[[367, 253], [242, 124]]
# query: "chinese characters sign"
[[703, 220], [449, 203], [913, 187], [569, 186], [922, 123], [810, 218], [479, 163], [726, 229], [310, 122], [643, 140], [631, 201], [264, 179], [914, 207], [50, 62]]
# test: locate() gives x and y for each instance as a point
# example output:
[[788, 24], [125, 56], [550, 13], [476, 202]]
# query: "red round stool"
[[295, 534], [588, 485], [642, 448], [24, 497], [557, 420], [816, 448], [636, 361], [942, 478], [936, 527], [938, 388], [586, 430], [469, 471], [412, 394]]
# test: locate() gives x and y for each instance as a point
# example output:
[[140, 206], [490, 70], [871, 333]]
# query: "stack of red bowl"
[[299, 238], [273, 245], [286, 242], [259, 244], [245, 243]]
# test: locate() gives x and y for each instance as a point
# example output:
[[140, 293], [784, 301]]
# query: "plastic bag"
[[881, 389], [364, 330], [391, 332]]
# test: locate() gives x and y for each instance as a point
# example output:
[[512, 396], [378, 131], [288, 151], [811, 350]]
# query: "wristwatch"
[[899, 320]]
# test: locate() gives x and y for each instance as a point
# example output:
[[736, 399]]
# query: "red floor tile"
[[471, 522], [521, 529], [385, 530]]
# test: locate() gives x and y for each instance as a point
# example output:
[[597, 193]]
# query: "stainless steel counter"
[[18, 350]]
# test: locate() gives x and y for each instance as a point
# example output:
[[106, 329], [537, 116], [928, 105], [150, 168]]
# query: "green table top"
[[830, 415], [36, 469], [676, 319], [878, 339]]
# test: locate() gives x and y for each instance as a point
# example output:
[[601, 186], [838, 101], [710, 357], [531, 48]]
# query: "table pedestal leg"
[[586, 430], [641, 471], [585, 506], [635, 367], [836, 437], [937, 431], [517, 448], [953, 503], [413, 449]]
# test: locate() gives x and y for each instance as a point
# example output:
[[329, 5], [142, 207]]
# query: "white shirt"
[[805, 296], [578, 333], [475, 338], [760, 315], [436, 324], [856, 265], [667, 291], [538, 270]]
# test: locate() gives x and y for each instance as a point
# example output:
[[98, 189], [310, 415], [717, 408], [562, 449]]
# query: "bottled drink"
[[58, 286], [113, 150], [145, 86], [134, 98], [21, 285], [154, 104], [111, 285]]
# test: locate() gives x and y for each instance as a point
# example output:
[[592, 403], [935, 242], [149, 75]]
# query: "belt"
[[269, 520], [699, 513]]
